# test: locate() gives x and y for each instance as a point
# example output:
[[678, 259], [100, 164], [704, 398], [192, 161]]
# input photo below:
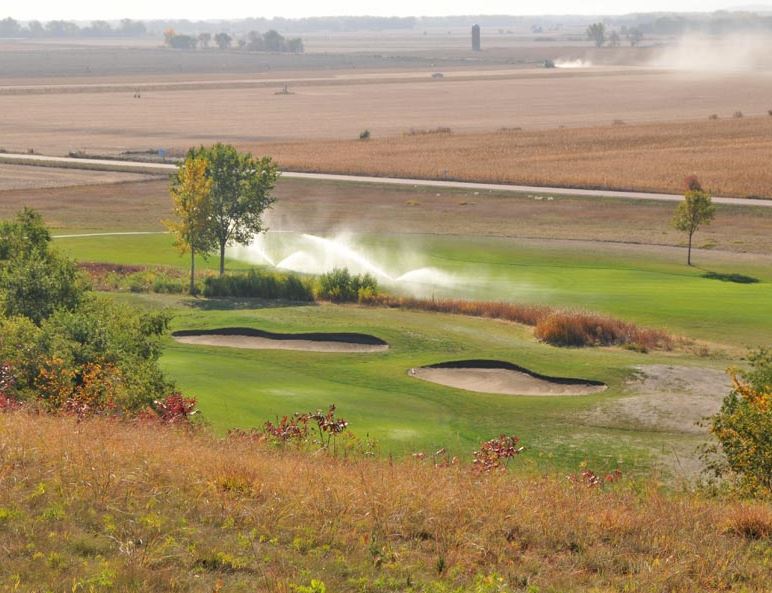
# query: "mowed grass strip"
[[730, 156]]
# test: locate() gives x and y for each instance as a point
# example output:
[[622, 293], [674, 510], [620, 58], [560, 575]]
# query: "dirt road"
[[168, 168]]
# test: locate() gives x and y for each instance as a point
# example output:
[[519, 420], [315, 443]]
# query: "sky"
[[149, 9]]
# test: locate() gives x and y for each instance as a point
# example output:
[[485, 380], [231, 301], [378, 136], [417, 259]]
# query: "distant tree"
[[131, 28], [169, 34], [614, 39], [597, 33], [255, 41], [295, 45], [191, 192], [634, 36], [62, 28], [36, 29], [99, 29], [274, 41], [9, 28], [223, 40], [204, 39], [696, 209], [241, 192], [183, 42]]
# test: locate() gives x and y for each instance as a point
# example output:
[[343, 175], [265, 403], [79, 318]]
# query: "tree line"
[[125, 28], [271, 41]]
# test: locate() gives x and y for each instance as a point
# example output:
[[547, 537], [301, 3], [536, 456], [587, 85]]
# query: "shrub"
[[738, 115], [364, 135], [564, 328], [496, 453], [713, 116], [340, 286], [175, 409], [34, 280], [743, 428], [260, 284]]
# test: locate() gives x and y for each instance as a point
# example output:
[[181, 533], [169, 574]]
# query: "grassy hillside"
[[102, 505]]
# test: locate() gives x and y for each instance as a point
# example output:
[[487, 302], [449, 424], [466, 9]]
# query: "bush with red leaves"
[[589, 478], [496, 453], [288, 429], [175, 409]]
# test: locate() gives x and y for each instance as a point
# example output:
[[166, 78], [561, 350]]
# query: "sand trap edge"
[[347, 341], [592, 386], [508, 366]]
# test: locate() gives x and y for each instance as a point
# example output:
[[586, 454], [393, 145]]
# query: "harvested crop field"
[[535, 99], [21, 177], [253, 339], [731, 156], [487, 376], [126, 206]]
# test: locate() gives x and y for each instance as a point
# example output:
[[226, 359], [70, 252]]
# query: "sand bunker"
[[255, 339], [492, 376]]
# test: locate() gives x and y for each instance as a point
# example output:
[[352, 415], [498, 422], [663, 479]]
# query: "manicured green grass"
[[642, 285], [243, 388]]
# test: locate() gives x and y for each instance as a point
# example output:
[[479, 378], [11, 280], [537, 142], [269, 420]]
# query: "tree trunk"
[[222, 258], [192, 271], [689, 253]]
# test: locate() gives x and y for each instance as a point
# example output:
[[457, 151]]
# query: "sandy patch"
[[252, 339], [667, 398], [503, 378]]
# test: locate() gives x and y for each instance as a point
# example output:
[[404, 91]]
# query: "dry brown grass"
[[554, 326], [20, 177], [99, 505], [730, 157]]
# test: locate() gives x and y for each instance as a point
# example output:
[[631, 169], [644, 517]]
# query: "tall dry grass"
[[100, 505], [730, 156], [554, 326]]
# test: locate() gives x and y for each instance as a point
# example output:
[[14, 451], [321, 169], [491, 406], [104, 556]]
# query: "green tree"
[[191, 200], [204, 39], [34, 280], [743, 428], [240, 193], [696, 209], [597, 33]]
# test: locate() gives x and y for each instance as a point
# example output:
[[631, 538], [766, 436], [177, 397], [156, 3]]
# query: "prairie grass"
[[101, 505], [730, 156], [554, 326]]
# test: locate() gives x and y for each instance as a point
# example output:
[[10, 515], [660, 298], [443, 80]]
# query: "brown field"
[[731, 157], [327, 207], [20, 177], [534, 99], [138, 206]]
